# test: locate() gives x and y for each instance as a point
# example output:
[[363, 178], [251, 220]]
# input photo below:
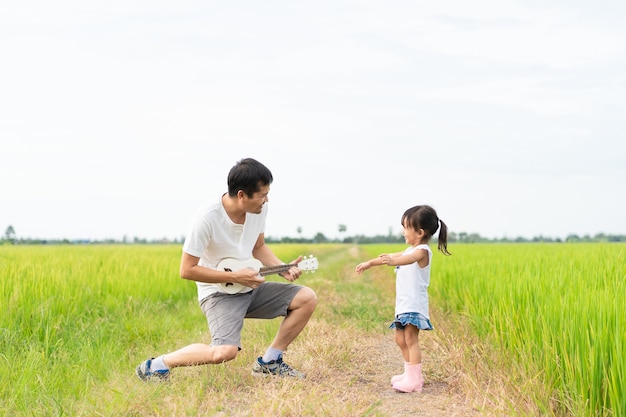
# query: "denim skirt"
[[416, 319]]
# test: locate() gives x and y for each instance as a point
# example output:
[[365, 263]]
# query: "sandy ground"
[[441, 395]]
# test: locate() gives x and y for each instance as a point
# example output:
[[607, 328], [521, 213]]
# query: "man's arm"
[[189, 269], [264, 253]]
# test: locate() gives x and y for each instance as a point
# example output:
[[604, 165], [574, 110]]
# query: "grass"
[[554, 310], [519, 330]]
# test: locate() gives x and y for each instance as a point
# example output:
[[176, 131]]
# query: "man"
[[233, 228]]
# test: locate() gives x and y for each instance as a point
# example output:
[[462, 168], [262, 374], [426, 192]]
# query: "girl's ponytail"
[[442, 239]]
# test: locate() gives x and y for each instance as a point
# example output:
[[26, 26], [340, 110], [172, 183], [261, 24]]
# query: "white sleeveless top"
[[412, 285]]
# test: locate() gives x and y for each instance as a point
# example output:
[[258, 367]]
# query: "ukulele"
[[309, 264]]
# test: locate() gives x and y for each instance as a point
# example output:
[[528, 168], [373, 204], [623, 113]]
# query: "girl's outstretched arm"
[[382, 259], [398, 259]]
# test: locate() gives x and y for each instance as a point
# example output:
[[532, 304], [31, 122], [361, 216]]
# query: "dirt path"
[[355, 383], [348, 371], [441, 395]]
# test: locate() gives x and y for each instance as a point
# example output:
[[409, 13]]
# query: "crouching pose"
[[232, 228]]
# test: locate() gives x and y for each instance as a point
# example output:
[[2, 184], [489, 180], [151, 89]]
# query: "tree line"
[[10, 238]]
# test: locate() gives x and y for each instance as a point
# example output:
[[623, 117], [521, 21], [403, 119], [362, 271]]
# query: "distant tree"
[[320, 238], [342, 231], [9, 235], [572, 238]]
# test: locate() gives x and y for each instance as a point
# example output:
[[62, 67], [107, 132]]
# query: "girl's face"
[[412, 236]]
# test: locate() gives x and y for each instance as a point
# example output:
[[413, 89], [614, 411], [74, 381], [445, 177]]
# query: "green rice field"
[[556, 311], [76, 320]]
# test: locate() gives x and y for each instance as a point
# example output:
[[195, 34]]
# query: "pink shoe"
[[412, 381], [398, 378]]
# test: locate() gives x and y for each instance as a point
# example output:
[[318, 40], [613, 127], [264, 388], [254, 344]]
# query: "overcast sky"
[[121, 118]]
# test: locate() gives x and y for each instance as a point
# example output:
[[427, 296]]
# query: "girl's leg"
[[413, 379], [401, 342], [399, 337], [411, 341]]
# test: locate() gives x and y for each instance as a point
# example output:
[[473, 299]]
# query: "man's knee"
[[225, 353], [306, 298]]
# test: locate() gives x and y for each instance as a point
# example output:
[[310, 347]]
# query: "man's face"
[[255, 203]]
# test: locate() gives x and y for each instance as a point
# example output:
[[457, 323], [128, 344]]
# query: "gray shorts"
[[225, 312]]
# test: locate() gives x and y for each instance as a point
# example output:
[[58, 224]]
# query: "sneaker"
[[276, 367], [143, 372]]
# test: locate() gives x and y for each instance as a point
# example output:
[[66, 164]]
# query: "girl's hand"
[[362, 267], [385, 259]]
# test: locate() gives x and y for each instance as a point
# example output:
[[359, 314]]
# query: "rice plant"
[[556, 312], [77, 319]]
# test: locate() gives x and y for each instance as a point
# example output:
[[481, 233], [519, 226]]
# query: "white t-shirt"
[[213, 236], [412, 285]]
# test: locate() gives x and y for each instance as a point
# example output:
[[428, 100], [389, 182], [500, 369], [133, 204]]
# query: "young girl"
[[419, 224]]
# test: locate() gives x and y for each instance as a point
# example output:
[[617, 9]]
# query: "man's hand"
[[294, 272], [248, 277]]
